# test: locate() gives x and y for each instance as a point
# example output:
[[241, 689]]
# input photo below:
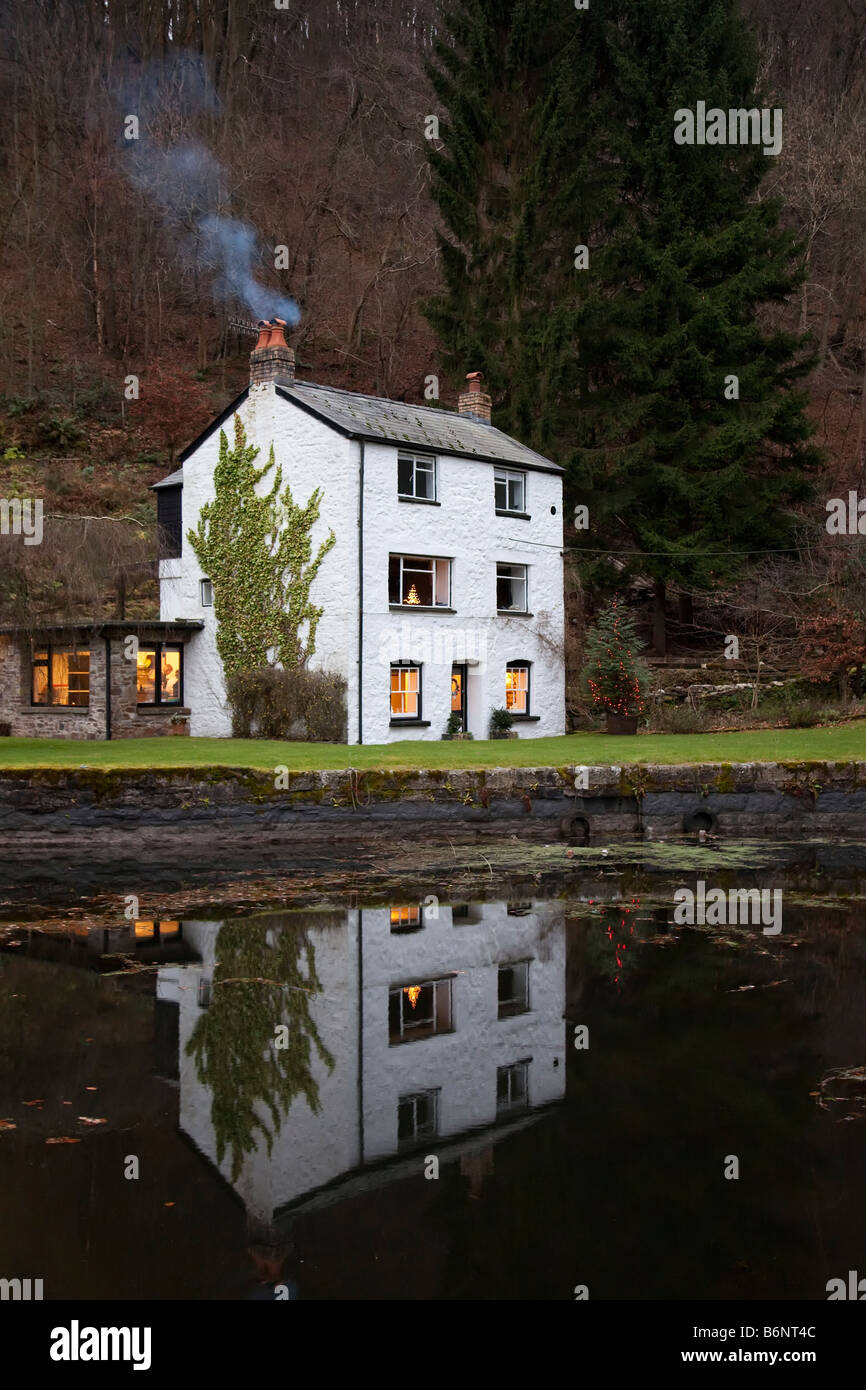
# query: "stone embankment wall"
[[780, 800]]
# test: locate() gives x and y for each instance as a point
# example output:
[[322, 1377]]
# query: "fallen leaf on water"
[[33, 1102], [66, 1102], [86, 1120], [168, 1204], [91, 1088], [63, 1140], [7, 1124]]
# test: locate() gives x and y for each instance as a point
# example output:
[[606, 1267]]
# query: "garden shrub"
[[304, 705]]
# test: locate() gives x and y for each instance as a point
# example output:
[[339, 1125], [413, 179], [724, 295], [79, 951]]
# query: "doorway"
[[458, 694]]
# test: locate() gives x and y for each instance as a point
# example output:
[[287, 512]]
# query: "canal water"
[[437, 1096]]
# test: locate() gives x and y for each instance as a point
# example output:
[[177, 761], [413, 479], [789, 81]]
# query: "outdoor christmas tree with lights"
[[614, 676]]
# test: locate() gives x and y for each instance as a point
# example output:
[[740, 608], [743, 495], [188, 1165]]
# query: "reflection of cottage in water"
[[429, 1031]]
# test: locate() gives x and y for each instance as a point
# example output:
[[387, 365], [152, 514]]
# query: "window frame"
[[512, 1107], [513, 565], [426, 1133], [519, 666], [428, 464], [51, 650], [520, 1003], [441, 982], [405, 926], [201, 592], [506, 476], [434, 561], [157, 702], [407, 666]]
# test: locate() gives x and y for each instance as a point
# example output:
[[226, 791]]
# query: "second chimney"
[[475, 402], [272, 359]]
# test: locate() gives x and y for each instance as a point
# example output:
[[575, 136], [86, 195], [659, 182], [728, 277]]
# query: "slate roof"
[[392, 422], [443, 431]]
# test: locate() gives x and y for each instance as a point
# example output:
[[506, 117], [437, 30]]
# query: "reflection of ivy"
[[233, 1040]]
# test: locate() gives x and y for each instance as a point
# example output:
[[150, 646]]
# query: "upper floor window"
[[511, 589], [513, 989], [159, 674], [61, 676], [169, 522], [206, 593], [415, 581], [510, 490], [416, 477], [419, 1011]]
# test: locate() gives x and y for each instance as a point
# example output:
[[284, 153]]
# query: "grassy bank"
[[841, 743]]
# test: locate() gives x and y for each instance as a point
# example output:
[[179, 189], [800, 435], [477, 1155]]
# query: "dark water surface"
[[283, 1084]]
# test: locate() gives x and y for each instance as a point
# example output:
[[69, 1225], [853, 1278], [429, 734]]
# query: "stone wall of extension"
[[128, 719], [777, 800]]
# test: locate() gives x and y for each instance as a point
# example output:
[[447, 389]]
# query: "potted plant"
[[453, 726], [501, 721], [615, 678], [179, 724]]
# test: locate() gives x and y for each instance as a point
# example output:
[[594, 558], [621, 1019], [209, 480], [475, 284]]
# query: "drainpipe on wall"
[[361, 600], [107, 641]]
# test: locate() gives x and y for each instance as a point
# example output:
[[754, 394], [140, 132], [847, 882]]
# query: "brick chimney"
[[475, 402], [272, 359]]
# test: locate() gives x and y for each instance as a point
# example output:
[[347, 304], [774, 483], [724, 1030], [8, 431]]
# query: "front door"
[[458, 694]]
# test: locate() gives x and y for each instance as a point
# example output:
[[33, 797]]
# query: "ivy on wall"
[[258, 984], [257, 552]]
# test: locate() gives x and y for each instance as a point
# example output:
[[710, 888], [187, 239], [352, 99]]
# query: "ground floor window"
[[405, 691], [419, 1011], [517, 687], [61, 676], [160, 674]]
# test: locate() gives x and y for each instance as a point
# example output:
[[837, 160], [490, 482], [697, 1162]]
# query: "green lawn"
[[836, 744]]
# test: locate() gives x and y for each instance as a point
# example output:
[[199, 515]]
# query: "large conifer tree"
[[619, 370]]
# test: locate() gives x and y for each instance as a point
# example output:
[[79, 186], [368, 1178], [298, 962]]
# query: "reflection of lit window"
[[203, 992], [417, 1117], [419, 1011], [519, 909], [405, 919], [513, 989], [517, 689], [156, 931], [405, 692], [511, 1087], [158, 674], [61, 676]]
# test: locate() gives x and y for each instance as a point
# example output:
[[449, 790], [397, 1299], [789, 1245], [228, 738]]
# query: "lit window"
[[406, 919], [419, 1011], [517, 689], [417, 1117], [61, 676], [513, 989], [158, 675], [405, 692], [417, 582], [206, 593], [511, 1087], [511, 588], [416, 477], [510, 489], [156, 931]]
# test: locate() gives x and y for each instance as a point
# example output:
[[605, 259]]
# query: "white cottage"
[[443, 593]]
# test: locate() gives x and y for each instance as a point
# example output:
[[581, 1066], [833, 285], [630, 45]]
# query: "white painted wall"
[[464, 528]]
